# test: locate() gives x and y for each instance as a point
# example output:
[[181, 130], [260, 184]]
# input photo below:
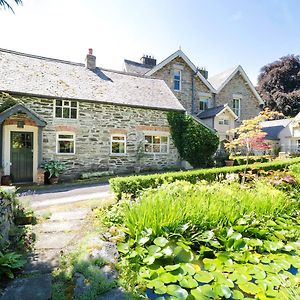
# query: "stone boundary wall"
[[6, 214]]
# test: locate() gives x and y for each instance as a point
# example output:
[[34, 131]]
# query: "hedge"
[[134, 184]]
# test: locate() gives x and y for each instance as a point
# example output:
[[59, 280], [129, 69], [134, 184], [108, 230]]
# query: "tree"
[[279, 85], [6, 5], [194, 142], [250, 137]]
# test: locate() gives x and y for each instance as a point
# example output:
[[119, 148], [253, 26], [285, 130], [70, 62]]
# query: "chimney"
[[204, 72], [148, 61], [90, 61]]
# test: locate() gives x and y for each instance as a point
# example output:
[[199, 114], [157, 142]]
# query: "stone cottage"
[[91, 119], [220, 102]]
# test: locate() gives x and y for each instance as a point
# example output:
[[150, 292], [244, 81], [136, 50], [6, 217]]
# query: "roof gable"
[[135, 67], [219, 81], [21, 108], [176, 54], [215, 111]]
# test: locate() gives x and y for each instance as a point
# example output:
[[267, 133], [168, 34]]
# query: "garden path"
[[67, 222]]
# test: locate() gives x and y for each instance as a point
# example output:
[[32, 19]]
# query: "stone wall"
[[249, 103], [93, 128], [6, 215], [185, 95]]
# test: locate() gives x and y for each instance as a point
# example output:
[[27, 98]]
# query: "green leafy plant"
[[135, 184], [54, 168], [195, 142], [10, 262]]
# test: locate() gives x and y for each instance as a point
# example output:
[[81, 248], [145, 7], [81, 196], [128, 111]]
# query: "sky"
[[215, 34]]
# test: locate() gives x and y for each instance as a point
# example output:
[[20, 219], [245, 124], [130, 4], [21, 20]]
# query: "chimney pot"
[[90, 51], [90, 61]]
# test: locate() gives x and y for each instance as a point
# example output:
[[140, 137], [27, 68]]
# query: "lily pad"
[[204, 277], [177, 291], [161, 241]]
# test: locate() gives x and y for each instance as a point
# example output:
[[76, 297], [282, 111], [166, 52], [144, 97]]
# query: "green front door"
[[21, 156]]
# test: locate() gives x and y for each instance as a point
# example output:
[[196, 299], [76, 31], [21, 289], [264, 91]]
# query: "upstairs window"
[[224, 122], [156, 144], [203, 104], [65, 143], [177, 80], [66, 109], [118, 144], [236, 106]]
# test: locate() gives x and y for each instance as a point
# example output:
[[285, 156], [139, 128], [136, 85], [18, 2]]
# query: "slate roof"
[[274, 127], [210, 112], [135, 67], [41, 76], [217, 80]]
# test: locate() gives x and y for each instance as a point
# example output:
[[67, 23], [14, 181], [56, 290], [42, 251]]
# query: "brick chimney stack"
[[90, 61], [148, 61]]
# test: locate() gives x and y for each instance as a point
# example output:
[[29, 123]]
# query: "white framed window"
[[223, 121], [177, 80], [236, 106], [118, 144], [65, 109], [156, 143], [65, 143]]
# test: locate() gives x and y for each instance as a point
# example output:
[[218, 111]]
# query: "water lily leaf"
[[204, 277], [188, 268], [149, 260], [237, 295], [260, 275], [203, 292], [223, 291], [167, 251], [249, 288], [153, 249], [239, 277], [284, 264], [177, 291], [123, 248], [161, 241], [156, 283], [209, 264], [182, 255], [145, 272], [172, 267], [188, 282], [168, 278], [161, 290]]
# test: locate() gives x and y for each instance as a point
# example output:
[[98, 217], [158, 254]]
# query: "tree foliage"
[[279, 85], [6, 5], [195, 143]]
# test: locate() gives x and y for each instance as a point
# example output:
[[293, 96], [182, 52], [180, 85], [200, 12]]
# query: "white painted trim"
[[227, 107], [125, 144], [160, 134], [6, 147], [57, 139], [187, 61], [246, 78]]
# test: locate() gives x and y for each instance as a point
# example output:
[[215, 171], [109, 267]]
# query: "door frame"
[[6, 147]]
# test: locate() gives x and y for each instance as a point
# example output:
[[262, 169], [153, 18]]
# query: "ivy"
[[195, 143]]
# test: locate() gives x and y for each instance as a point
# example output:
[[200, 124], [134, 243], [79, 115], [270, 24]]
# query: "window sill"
[[66, 154], [118, 154], [155, 153]]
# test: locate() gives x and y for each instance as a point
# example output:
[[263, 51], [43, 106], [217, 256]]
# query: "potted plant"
[[228, 161], [52, 170]]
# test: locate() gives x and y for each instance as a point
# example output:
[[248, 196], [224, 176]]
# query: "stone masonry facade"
[[185, 95], [249, 103], [93, 128]]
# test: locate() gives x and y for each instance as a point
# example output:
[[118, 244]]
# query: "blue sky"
[[215, 34]]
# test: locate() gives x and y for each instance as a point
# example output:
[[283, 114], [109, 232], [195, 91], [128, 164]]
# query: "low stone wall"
[[6, 213]]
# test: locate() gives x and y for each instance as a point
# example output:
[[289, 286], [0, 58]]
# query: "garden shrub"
[[296, 170], [195, 143], [134, 184]]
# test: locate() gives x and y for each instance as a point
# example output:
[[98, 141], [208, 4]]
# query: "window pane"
[[58, 103], [66, 103], [176, 85], [58, 112], [156, 140], [65, 136], [66, 147], [118, 147], [73, 113], [148, 148], [148, 138], [164, 139], [74, 104], [66, 112], [156, 148], [164, 148]]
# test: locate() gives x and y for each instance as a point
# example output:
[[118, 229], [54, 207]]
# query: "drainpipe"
[[193, 91]]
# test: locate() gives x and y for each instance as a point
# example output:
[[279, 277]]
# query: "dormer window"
[[203, 104], [177, 80]]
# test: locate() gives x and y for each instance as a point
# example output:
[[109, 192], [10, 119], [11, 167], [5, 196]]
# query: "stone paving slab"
[[78, 214], [60, 226], [57, 240], [42, 261], [32, 288]]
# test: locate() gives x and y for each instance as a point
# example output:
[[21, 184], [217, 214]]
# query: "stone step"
[[59, 226], [78, 214], [55, 240]]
